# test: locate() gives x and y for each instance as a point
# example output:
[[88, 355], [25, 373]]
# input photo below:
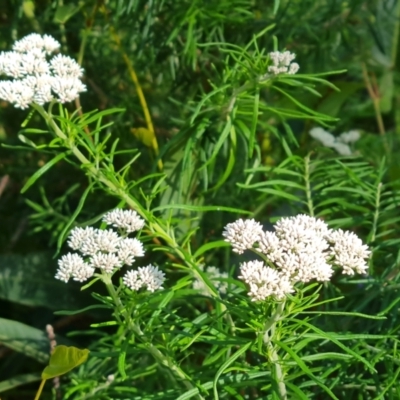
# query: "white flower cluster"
[[215, 276], [282, 63], [35, 79], [108, 251], [341, 143], [127, 220], [300, 249], [150, 277]]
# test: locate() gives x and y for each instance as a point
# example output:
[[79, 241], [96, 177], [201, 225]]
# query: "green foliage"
[[183, 123], [63, 359]]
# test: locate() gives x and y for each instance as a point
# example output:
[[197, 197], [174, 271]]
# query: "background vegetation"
[[186, 72]]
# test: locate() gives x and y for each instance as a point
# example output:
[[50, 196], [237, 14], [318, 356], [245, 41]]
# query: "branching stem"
[[269, 330], [308, 185]]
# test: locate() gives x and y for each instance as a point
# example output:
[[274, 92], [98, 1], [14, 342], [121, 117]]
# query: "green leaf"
[[386, 87], [208, 246], [226, 364], [41, 289], [304, 367], [201, 208], [43, 170], [77, 211], [18, 380], [65, 12], [64, 359], [24, 339]]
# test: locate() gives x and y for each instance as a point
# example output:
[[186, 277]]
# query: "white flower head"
[[242, 234], [349, 252], [342, 148], [149, 277], [323, 136], [64, 66], [79, 235], [36, 79], [340, 143], [107, 251], [107, 240], [67, 89], [35, 41], [73, 266], [128, 220], [350, 136], [264, 281], [128, 249], [282, 63], [215, 276], [301, 249], [105, 261]]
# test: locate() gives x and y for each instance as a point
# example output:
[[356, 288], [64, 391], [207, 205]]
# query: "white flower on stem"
[[128, 249], [35, 41], [349, 252], [282, 63], [90, 241], [132, 280], [36, 79], [242, 234], [67, 89], [323, 136], [149, 277], [107, 240], [105, 261], [342, 148], [264, 281], [301, 249], [33, 65], [73, 265], [215, 276], [83, 274], [65, 67], [340, 143], [79, 235], [20, 93], [10, 64], [42, 90], [350, 136], [128, 220]]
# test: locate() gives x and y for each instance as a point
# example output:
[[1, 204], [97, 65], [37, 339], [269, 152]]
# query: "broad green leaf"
[[64, 359], [18, 380], [65, 12], [41, 288], [25, 339]]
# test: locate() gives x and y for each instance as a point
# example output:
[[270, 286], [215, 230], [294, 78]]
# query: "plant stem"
[[117, 187], [376, 214], [375, 97], [308, 185], [269, 330], [39, 392], [162, 359], [118, 190]]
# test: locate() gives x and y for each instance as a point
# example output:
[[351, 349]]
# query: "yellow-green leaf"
[[63, 359], [144, 135]]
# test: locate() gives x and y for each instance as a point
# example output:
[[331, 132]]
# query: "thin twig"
[[375, 97]]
